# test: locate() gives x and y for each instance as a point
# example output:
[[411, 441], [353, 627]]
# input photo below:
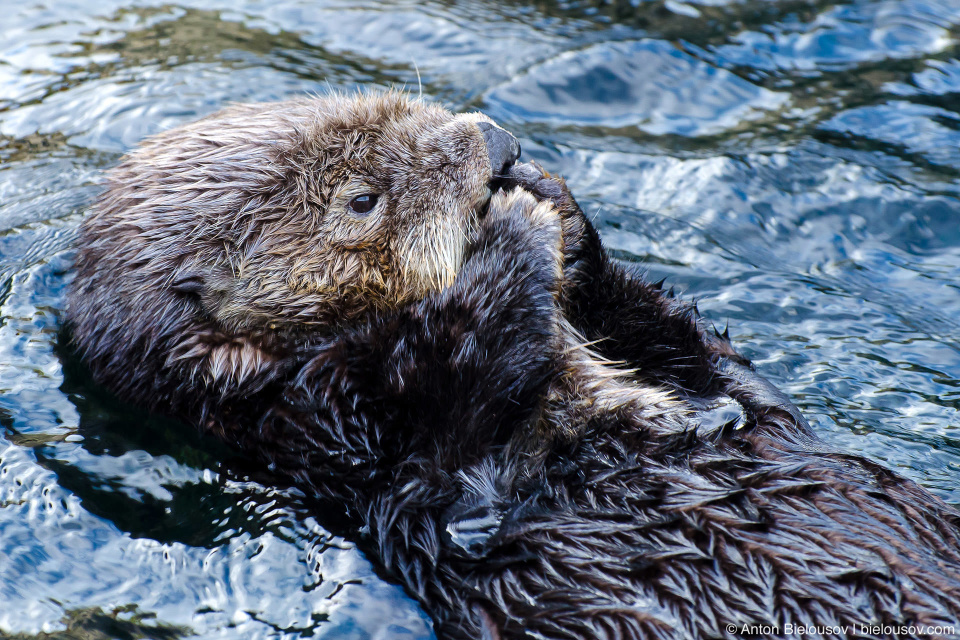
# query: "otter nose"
[[502, 148]]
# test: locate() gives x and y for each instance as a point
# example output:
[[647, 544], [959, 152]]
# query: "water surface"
[[791, 165]]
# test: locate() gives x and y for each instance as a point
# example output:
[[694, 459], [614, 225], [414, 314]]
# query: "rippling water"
[[793, 165]]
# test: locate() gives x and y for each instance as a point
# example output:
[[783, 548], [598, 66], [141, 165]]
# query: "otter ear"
[[188, 283], [209, 288]]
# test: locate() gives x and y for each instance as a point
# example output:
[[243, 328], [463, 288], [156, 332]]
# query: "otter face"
[[381, 198], [215, 240]]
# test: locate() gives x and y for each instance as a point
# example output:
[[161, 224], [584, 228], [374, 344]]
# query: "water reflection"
[[648, 84]]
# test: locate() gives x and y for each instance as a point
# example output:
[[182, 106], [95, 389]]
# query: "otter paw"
[[546, 188], [531, 177], [537, 218], [518, 203]]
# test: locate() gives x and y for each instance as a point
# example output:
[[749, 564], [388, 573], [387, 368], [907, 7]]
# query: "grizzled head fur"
[[220, 247]]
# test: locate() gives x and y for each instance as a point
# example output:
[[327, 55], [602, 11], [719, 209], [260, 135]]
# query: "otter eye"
[[364, 203]]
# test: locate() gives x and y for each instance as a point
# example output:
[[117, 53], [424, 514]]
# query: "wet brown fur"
[[249, 207], [530, 438]]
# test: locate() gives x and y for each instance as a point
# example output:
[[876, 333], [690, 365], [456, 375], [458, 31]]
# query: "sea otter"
[[371, 296]]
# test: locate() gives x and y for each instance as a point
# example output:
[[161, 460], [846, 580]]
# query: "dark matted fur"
[[515, 480]]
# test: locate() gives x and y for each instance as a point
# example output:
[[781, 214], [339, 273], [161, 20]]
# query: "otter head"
[[220, 248]]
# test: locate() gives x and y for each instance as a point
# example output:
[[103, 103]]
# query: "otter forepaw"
[[534, 179], [531, 177], [539, 218], [519, 201]]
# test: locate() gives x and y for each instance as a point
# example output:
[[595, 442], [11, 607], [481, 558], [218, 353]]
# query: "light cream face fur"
[[222, 235]]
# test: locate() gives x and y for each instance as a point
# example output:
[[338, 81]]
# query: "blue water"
[[794, 166]]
